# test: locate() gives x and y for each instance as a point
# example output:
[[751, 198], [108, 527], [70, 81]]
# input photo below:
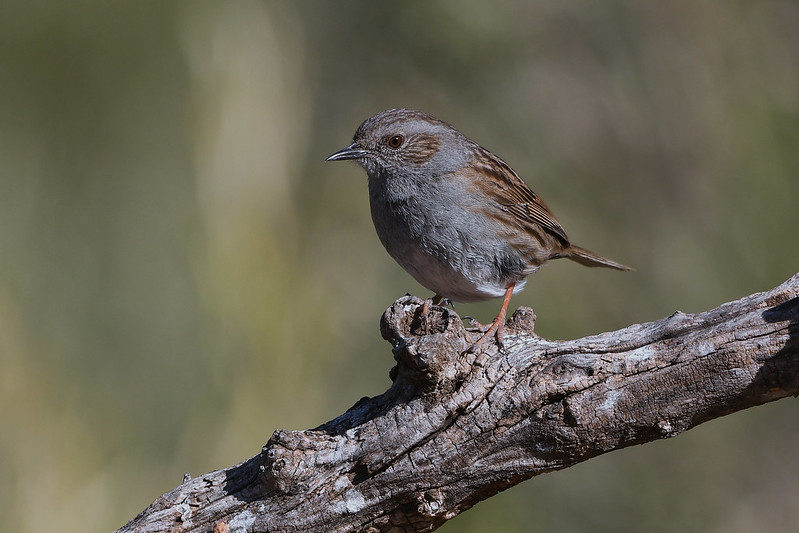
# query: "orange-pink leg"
[[435, 300], [498, 325], [425, 311]]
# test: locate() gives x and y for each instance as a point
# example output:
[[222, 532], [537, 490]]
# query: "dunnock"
[[454, 215]]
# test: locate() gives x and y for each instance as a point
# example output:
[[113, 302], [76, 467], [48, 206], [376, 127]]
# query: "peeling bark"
[[457, 427]]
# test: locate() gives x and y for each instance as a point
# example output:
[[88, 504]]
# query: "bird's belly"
[[443, 279], [453, 265]]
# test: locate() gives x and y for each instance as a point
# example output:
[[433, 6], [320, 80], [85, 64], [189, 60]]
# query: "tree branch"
[[456, 428]]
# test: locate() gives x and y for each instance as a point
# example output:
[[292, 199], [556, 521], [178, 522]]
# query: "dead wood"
[[457, 427]]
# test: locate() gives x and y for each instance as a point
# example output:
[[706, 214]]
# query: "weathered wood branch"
[[456, 428]]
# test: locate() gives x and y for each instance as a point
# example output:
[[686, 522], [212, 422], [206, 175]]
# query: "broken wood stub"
[[457, 426]]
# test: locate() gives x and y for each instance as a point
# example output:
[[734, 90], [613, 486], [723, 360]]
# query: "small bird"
[[453, 214]]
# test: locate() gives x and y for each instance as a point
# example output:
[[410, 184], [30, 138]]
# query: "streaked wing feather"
[[513, 194]]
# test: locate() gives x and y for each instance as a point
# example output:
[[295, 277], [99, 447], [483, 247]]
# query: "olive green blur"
[[181, 273]]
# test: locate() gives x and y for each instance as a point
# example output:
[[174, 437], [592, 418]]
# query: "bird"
[[455, 216]]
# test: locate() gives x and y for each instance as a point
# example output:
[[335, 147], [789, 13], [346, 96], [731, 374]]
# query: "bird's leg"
[[498, 325], [435, 300], [423, 314]]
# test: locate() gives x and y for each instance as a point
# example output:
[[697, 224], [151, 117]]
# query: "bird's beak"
[[353, 151]]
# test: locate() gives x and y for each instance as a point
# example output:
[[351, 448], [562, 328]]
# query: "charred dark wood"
[[457, 427]]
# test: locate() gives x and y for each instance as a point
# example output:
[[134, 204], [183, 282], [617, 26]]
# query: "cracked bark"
[[456, 428]]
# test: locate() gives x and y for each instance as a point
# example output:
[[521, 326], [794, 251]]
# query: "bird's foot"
[[424, 312], [496, 329], [482, 328]]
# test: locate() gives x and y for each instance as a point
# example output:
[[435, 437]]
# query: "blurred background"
[[181, 273]]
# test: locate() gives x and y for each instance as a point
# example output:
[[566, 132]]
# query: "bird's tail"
[[588, 258]]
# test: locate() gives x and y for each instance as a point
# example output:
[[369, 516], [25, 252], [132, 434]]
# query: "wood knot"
[[290, 459], [427, 347], [430, 504], [522, 320]]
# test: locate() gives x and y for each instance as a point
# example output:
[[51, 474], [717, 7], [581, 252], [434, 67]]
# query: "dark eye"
[[395, 141]]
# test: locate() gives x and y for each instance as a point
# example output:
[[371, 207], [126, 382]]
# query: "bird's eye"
[[395, 141]]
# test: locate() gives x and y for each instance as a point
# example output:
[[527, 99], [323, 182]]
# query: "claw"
[[482, 328]]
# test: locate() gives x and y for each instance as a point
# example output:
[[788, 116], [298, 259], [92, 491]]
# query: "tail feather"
[[588, 258]]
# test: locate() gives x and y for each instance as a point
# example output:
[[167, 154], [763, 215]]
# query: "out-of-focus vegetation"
[[181, 273]]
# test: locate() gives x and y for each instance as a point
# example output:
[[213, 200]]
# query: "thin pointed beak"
[[353, 151]]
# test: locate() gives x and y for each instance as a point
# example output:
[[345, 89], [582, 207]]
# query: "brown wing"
[[513, 195]]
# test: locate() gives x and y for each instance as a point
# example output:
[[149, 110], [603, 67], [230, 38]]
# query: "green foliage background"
[[181, 273]]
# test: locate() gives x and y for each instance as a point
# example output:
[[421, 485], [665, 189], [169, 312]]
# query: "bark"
[[457, 427]]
